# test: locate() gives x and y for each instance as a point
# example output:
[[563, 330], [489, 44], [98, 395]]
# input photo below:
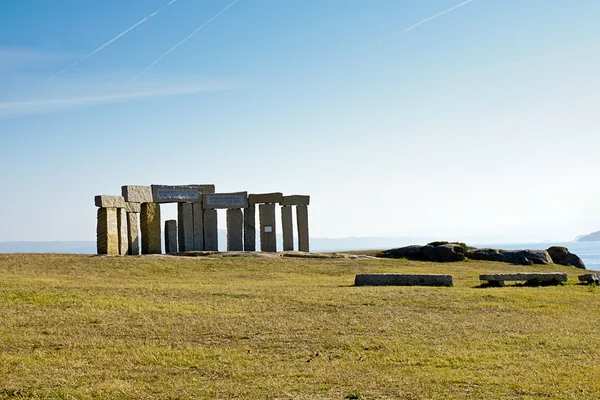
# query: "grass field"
[[74, 327]]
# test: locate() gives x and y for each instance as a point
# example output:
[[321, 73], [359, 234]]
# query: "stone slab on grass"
[[403, 280], [590, 278], [529, 277]]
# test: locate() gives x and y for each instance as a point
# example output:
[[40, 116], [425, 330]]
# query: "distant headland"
[[592, 237]]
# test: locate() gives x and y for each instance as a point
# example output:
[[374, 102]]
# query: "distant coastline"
[[592, 237]]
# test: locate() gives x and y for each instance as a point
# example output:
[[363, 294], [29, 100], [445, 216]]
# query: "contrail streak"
[[410, 28], [110, 41], [182, 42]]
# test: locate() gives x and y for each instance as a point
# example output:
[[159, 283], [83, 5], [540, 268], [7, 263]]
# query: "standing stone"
[[302, 220], [268, 238], [107, 232], [150, 227], [122, 228], [185, 217], [171, 236], [211, 239], [198, 214], [235, 228], [287, 226], [250, 228], [133, 235]]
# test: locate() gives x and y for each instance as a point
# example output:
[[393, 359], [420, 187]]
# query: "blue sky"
[[482, 122]]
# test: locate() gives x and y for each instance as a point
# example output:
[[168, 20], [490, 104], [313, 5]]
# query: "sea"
[[589, 252]]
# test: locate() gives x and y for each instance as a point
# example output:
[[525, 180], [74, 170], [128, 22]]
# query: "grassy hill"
[[187, 328]]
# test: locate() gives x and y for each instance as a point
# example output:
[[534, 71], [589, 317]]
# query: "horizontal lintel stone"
[[109, 201], [265, 198], [133, 207], [137, 194], [180, 193], [296, 200], [225, 200]]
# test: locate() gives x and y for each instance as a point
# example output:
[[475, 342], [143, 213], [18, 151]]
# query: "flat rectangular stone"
[[287, 226], [403, 280], [137, 194], [122, 228], [527, 276], [133, 233], [151, 229], [296, 200], [250, 228], [590, 278], [171, 236], [185, 217], [268, 231], [302, 221], [107, 231], [133, 207], [235, 229], [109, 201], [265, 198], [211, 232], [198, 228], [225, 200], [180, 193]]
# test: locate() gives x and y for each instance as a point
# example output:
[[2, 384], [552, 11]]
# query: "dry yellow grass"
[[75, 327]]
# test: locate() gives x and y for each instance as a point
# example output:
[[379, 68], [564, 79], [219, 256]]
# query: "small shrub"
[[355, 395], [592, 287]]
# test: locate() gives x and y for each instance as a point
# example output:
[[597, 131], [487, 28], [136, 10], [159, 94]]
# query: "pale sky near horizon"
[[482, 121]]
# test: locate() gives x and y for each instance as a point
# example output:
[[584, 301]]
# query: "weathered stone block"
[[589, 278], [107, 231], [137, 194], [403, 280], [180, 193], [122, 228], [250, 228], [225, 200], [529, 277], [268, 231], [211, 238], [151, 229], [302, 221], [198, 213], [296, 200], [109, 201], [235, 228], [287, 226], [133, 235], [185, 217], [265, 198], [133, 207], [171, 236]]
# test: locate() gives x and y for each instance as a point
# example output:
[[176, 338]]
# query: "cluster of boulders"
[[451, 252]]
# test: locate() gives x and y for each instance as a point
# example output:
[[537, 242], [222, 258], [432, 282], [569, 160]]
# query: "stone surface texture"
[[109, 201], [250, 228], [171, 236], [590, 278], [107, 231], [151, 229], [133, 207], [302, 222], [211, 238], [198, 214], [287, 227], [137, 194], [185, 219], [225, 200], [403, 280], [133, 233], [235, 230], [122, 228], [520, 257], [180, 193], [541, 277], [562, 255], [265, 198], [296, 200], [268, 231]]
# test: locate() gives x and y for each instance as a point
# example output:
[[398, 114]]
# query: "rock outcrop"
[[562, 255], [443, 253], [520, 257]]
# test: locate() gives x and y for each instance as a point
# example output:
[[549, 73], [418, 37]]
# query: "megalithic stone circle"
[[250, 228], [287, 227], [171, 236], [302, 221], [235, 228], [107, 232], [268, 228], [211, 239], [185, 218], [133, 233], [151, 229], [122, 228], [198, 228]]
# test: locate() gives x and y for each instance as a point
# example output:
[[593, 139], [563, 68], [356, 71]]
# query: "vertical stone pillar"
[[133, 235], [268, 238], [107, 232], [198, 214], [122, 228], [185, 218], [150, 227], [235, 228], [250, 228], [211, 239], [287, 226], [171, 236], [302, 220]]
